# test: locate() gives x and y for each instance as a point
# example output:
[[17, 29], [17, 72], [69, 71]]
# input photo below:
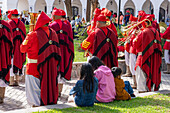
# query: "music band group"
[[50, 52]]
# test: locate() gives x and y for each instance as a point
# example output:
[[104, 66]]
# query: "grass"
[[158, 103], [79, 55]]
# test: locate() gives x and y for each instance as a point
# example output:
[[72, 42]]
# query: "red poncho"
[[5, 50], [19, 34], [105, 47], [67, 47], [166, 35], [49, 57], [149, 43]]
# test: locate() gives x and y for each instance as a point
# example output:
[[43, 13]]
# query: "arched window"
[[131, 11], [75, 10], [45, 9], [161, 14]]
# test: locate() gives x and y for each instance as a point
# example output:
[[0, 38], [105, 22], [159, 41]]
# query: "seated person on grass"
[[123, 89], [106, 87], [86, 88]]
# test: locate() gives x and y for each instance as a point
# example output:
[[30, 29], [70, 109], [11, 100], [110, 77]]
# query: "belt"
[[32, 60], [139, 53], [167, 40]]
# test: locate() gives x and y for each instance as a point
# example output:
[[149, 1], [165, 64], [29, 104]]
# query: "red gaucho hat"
[[63, 13], [150, 17], [102, 18], [106, 12], [12, 12], [42, 20], [56, 12], [97, 12]]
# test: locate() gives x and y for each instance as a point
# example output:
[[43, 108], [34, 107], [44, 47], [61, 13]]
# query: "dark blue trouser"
[[128, 87]]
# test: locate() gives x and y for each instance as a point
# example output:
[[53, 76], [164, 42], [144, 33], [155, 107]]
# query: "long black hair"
[[95, 62], [87, 75]]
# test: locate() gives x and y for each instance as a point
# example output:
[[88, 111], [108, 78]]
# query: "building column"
[[49, 9], [65, 7], [84, 6], [156, 12]]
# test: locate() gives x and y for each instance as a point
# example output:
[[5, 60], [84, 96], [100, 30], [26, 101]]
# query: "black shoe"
[[132, 95]]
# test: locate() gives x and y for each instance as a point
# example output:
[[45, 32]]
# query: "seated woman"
[[86, 88], [106, 88], [123, 89]]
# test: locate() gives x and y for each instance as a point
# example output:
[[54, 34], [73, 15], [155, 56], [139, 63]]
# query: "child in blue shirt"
[[86, 88]]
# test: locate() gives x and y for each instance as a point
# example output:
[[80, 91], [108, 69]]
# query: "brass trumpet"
[[33, 17], [126, 31]]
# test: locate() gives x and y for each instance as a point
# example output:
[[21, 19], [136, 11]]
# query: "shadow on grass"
[[154, 103]]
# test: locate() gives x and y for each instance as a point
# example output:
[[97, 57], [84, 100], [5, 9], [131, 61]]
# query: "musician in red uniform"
[[42, 48], [166, 35], [148, 64], [5, 55], [19, 34], [91, 28], [132, 50], [127, 57], [102, 43], [110, 24], [67, 47]]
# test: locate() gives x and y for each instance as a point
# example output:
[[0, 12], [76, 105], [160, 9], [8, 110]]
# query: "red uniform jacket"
[[19, 34], [149, 43], [49, 57], [30, 46], [67, 47], [5, 50], [166, 35], [132, 48], [103, 44]]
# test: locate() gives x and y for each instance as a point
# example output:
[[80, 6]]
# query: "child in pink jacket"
[[106, 85]]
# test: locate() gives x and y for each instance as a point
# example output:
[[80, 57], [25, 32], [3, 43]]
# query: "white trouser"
[[132, 63], [127, 58], [61, 80], [140, 79], [2, 83], [167, 56], [33, 90]]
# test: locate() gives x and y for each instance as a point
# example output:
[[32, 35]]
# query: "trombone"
[[128, 30]]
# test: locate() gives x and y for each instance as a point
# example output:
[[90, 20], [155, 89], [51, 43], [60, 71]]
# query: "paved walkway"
[[15, 96]]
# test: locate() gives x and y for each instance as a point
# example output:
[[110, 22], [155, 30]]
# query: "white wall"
[[12, 4], [40, 5], [112, 7], [57, 5], [146, 6], [22, 5], [37, 5]]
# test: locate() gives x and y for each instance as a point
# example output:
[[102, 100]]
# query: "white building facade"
[[161, 8]]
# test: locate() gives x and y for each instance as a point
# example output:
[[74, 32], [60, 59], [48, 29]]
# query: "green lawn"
[[79, 55], [158, 103]]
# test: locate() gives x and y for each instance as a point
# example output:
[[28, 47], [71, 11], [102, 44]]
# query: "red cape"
[[105, 47], [49, 57], [150, 61], [156, 26], [5, 50], [19, 34], [67, 48]]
